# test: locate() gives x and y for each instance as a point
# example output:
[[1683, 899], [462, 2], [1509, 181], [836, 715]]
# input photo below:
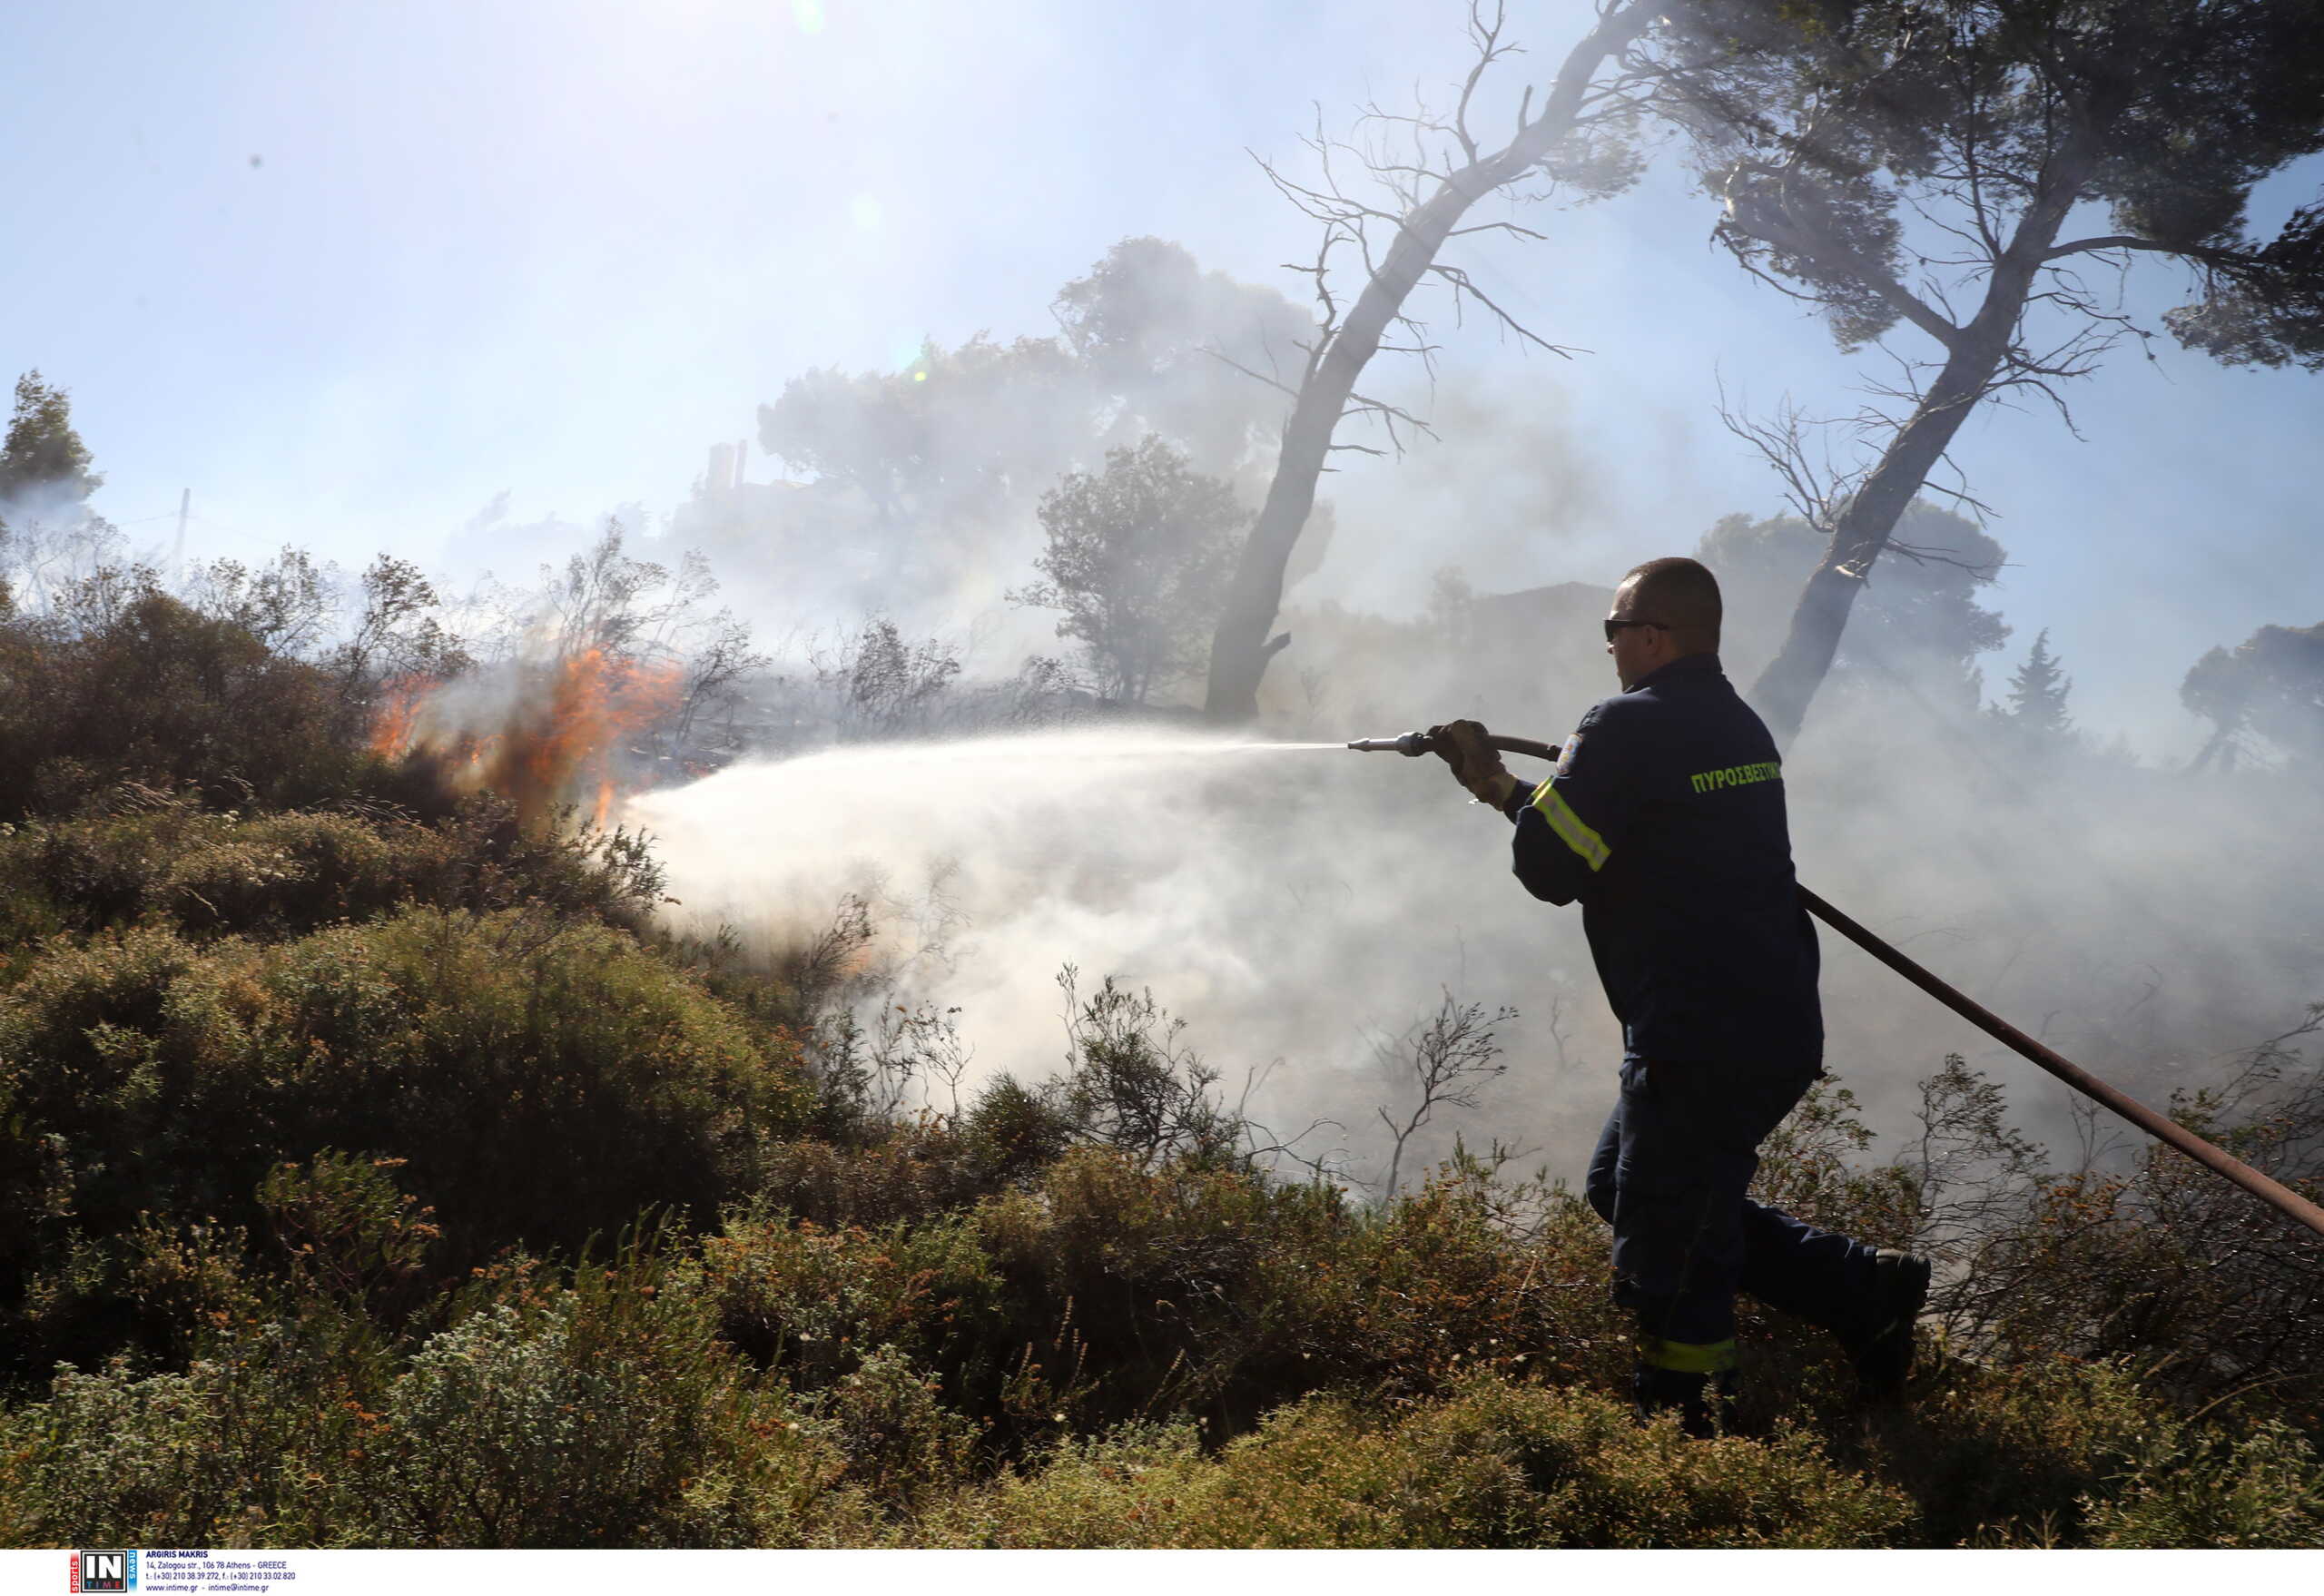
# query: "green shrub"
[[815, 1302], [161, 856], [543, 1080], [1139, 1293], [2005, 1456], [1495, 1464], [1126, 1293], [606, 1415], [1605, 1481], [1012, 1132], [2192, 1488], [281, 874], [133, 1085], [2150, 1263], [1119, 1488], [919, 1170], [259, 1444], [347, 1234], [125, 682], [482, 857], [904, 1446], [1130, 1085], [148, 857], [1285, 1289], [1111, 1292], [2058, 1452]]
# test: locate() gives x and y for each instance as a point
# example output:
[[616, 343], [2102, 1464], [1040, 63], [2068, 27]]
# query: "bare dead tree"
[[1448, 1058], [1422, 174], [1267, 1149], [721, 660], [1557, 1029]]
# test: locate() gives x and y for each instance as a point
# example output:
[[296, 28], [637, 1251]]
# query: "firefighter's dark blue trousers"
[[1670, 1174]]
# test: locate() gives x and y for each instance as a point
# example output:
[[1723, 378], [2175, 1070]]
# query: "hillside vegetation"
[[376, 1173]]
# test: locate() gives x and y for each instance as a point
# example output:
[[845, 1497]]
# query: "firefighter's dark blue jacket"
[[1666, 818]]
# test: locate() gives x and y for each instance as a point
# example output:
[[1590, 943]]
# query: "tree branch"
[[1751, 216], [2126, 242]]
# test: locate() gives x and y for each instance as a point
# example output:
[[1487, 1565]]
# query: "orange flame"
[[398, 718], [556, 742]]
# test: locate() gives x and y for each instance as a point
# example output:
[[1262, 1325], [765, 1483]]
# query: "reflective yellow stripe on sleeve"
[[1570, 827], [1687, 1358]]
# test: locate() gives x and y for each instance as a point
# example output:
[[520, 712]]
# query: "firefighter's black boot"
[[1881, 1348], [1705, 1404]]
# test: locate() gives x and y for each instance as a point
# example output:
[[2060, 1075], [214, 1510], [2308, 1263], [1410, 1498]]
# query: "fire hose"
[[2274, 1193]]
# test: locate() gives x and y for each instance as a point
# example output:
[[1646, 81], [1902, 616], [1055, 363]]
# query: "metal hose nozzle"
[[1412, 745]]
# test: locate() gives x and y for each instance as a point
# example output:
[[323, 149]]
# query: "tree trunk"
[[1240, 648], [1790, 679], [1789, 682]]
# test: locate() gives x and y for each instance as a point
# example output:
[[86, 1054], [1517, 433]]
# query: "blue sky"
[[559, 249]]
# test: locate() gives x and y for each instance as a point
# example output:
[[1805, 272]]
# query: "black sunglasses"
[[1613, 626]]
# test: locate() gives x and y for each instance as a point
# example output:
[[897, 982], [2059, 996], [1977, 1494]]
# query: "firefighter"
[[1665, 818]]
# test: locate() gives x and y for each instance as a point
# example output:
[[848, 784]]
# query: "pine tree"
[[2037, 693], [2273, 684], [49, 536], [43, 451], [1138, 559]]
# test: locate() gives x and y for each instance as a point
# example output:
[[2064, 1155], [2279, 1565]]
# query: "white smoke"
[[1307, 903], [1290, 902]]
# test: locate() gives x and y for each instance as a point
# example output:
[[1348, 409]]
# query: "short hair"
[[1681, 595]]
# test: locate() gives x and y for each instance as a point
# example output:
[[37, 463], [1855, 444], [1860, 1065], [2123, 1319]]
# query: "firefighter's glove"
[[1475, 763]]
